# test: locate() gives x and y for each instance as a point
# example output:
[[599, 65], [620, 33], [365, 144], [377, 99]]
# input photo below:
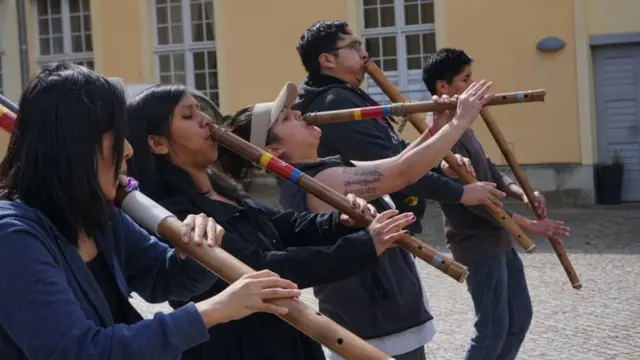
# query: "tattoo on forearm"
[[361, 181], [362, 192], [361, 171]]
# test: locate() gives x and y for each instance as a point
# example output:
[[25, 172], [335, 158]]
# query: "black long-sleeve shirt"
[[308, 249]]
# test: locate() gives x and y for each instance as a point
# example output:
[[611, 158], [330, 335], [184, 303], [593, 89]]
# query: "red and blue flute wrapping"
[[371, 112], [287, 172]]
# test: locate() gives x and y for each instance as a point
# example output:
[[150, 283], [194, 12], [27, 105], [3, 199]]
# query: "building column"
[[584, 71]]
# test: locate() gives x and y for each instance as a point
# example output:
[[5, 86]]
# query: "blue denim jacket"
[[51, 307]]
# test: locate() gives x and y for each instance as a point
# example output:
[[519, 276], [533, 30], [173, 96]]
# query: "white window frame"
[[403, 74], [187, 47], [68, 54]]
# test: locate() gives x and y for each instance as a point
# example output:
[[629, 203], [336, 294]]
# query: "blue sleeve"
[[154, 271], [41, 315], [307, 229]]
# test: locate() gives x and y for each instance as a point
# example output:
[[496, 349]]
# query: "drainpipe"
[[22, 39]]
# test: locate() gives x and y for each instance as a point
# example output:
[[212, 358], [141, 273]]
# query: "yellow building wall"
[[256, 44], [12, 84], [612, 16], [504, 51], [11, 59], [123, 39]]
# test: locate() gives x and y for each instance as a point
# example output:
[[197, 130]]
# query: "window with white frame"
[[186, 46], [399, 36], [63, 28]]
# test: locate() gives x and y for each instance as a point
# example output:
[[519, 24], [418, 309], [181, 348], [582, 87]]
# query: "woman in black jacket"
[[173, 162]]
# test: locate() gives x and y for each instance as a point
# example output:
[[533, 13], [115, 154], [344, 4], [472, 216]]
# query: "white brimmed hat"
[[265, 114]]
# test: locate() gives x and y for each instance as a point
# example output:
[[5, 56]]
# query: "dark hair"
[[150, 113], [240, 125], [319, 38], [445, 64], [50, 163]]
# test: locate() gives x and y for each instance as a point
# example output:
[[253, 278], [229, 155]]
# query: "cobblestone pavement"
[[601, 321]]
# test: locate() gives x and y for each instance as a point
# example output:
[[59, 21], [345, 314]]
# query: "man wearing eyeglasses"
[[388, 307]]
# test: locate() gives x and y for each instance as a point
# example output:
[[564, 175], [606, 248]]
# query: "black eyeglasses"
[[355, 45]]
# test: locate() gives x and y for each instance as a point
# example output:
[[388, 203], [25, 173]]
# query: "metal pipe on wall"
[[22, 39]]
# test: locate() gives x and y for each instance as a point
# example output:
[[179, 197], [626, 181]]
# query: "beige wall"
[[504, 50], [12, 84], [256, 43], [123, 39], [11, 60], [612, 16]]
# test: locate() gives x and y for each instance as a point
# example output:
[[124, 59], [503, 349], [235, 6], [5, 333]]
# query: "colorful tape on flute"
[[289, 173], [522, 179], [421, 126], [8, 111], [407, 108], [159, 221]]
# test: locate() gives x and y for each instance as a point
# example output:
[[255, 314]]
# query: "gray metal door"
[[617, 94]]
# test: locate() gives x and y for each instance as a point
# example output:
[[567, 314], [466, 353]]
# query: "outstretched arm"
[[372, 179], [309, 265]]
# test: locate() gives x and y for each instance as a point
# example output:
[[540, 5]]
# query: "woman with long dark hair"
[[69, 259], [175, 165]]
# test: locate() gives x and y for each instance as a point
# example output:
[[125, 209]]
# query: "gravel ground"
[[601, 321]]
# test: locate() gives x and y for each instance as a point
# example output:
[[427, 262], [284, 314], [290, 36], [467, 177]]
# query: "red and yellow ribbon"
[[7, 118]]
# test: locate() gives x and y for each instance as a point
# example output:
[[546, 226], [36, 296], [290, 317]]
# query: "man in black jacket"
[[334, 57]]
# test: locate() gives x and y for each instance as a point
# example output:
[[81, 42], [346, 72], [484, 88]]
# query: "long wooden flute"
[[406, 108], [522, 179], [159, 221], [421, 126], [289, 173]]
